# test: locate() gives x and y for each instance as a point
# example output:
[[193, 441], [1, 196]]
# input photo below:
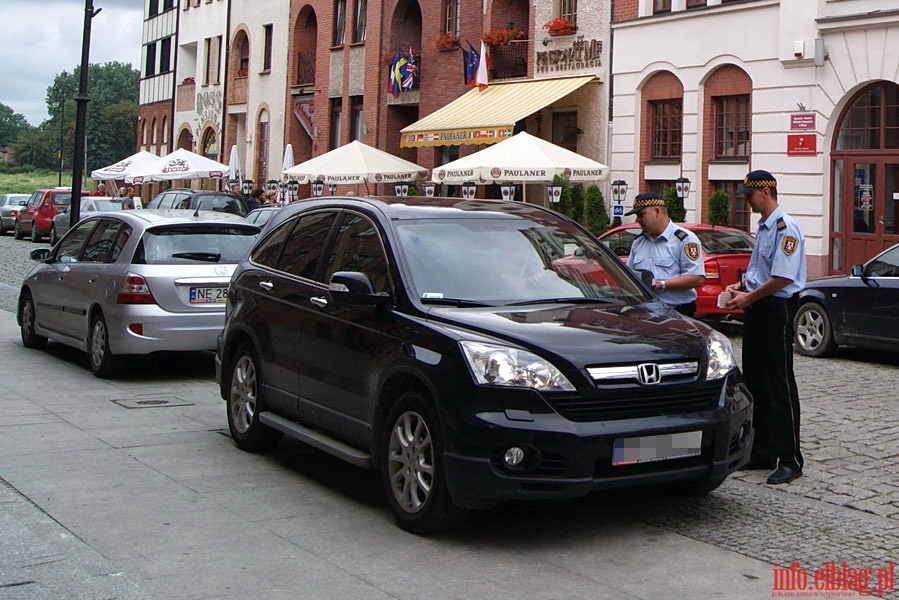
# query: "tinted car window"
[[221, 203], [105, 243], [357, 247], [269, 250], [188, 244], [303, 248], [61, 198], [885, 265], [70, 247]]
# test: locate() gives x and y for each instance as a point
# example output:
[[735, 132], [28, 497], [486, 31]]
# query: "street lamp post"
[[318, 188], [332, 187], [430, 187], [682, 187], [507, 188], [61, 105], [293, 188], [619, 191], [469, 190], [554, 192], [401, 189]]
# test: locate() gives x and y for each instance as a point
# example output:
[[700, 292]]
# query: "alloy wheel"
[[411, 461]]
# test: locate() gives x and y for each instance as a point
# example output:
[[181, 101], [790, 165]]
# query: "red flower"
[[560, 26]]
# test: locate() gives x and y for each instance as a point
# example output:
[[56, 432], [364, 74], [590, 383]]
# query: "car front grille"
[[638, 401]]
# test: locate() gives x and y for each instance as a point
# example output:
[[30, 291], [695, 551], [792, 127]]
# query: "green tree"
[[11, 124], [35, 147], [719, 208], [596, 218], [111, 111], [566, 204], [577, 202], [675, 205]]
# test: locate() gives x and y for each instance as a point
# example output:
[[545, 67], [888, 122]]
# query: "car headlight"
[[721, 356], [503, 365]]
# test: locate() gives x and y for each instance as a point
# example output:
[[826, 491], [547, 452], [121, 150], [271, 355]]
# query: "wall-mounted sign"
[[581, 54], [802, 121], [802, 144]]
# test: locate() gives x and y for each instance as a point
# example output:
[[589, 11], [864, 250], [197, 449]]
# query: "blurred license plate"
[[650, 448], [208, 295]]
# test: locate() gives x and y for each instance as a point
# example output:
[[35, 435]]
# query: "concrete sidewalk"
[[131, 488]]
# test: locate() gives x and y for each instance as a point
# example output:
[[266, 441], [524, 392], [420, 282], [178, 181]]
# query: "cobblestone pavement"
[[845, 508]]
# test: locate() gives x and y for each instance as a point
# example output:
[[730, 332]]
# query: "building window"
[[695, 3], [356, 104], [150, 66], [244, 67], [153, 8], [568, 9], [261, 173], [740, 216], [268, 32], [661, 6], [872, 121], [339, 22], [168, 5], [565, 130], [667, 128], [213, 60], [210, 145], [336, 123], [732, 126], [360, 20], [452, 16], [165, 55]]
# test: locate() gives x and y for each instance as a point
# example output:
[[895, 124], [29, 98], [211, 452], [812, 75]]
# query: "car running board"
[[316, 439]]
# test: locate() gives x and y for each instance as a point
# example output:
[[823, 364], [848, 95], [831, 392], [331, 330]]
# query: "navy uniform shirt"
[[675, 252], [779, 252]]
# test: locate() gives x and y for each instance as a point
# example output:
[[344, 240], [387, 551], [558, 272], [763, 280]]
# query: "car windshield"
[[182, 244], [725, 241], [61, 199], [510, 261]]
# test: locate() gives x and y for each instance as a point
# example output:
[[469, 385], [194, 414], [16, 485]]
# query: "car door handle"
[[267, 285], [318, 301]]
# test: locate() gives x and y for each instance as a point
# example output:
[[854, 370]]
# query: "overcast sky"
[[42, 38]]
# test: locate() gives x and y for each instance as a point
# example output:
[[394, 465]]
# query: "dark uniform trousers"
[[768, 370]]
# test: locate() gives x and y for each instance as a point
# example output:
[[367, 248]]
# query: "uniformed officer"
[[671, 253], [770, 297]]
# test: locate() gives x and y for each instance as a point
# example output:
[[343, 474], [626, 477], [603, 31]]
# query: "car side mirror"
[[857, 270], [40, 254], [354, 287]]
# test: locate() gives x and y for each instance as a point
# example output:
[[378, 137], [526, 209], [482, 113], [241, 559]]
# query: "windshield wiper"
[[454, 302], [202, 256], [574, 300]]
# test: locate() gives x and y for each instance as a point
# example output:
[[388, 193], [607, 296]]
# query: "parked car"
[[35, 217], [859, 309], [60, 223], [133, 282], [726, 253], [260, 216], [199, 199], [10, 204], [473, 352]]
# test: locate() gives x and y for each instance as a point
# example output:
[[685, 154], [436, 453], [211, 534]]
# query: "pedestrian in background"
[[672, 254], [255, 199], [101, 190], [770, 296]]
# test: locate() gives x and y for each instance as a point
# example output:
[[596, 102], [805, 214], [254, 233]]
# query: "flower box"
[[447, 41], [560, 26]]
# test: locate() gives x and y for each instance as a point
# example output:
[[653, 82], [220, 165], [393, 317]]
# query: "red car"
[[725, 251], [36, 217]]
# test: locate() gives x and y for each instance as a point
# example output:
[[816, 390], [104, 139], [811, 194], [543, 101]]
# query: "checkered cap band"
[[759, 183]]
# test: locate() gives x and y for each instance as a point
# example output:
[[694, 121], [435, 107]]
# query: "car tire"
[[17, 232], [245, 402], [813, 331], [3, 230], [35, 234], [53, 238], [27, 318], [102, 361], [412, 470]]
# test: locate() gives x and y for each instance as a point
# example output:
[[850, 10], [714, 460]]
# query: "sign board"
[[802, 121], [618, 210], [802, 144]]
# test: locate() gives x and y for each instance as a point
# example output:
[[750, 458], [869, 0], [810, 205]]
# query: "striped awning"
[[489, 116]]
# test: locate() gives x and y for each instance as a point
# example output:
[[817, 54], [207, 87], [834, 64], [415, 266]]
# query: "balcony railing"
[[509, 61], [305, 68]]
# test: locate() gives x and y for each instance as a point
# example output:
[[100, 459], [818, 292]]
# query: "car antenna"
[[197, 212]]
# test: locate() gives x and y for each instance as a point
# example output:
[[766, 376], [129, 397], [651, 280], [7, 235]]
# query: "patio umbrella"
[[287, 161], [234, 171], [355, 163], [521, 158], [183, 164], [124, 169]]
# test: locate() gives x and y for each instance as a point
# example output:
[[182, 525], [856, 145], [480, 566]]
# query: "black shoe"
[[758, 465], [784, 475]]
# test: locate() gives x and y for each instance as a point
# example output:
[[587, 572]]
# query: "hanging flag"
[[471, 59], [481, 78], [394, 84], [411, 71]]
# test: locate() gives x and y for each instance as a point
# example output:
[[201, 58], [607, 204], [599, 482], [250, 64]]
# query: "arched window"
[[210, 144]]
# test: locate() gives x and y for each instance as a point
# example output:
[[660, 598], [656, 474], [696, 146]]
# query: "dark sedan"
[[860, 309], [472, 351]]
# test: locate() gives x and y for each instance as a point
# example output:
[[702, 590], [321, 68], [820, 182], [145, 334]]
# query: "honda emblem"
[[648, 374]]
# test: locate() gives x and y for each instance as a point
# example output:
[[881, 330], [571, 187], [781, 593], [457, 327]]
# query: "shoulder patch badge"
[[789, 244], [691, 249]]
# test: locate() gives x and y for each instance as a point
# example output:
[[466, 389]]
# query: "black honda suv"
[[472, 351]]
